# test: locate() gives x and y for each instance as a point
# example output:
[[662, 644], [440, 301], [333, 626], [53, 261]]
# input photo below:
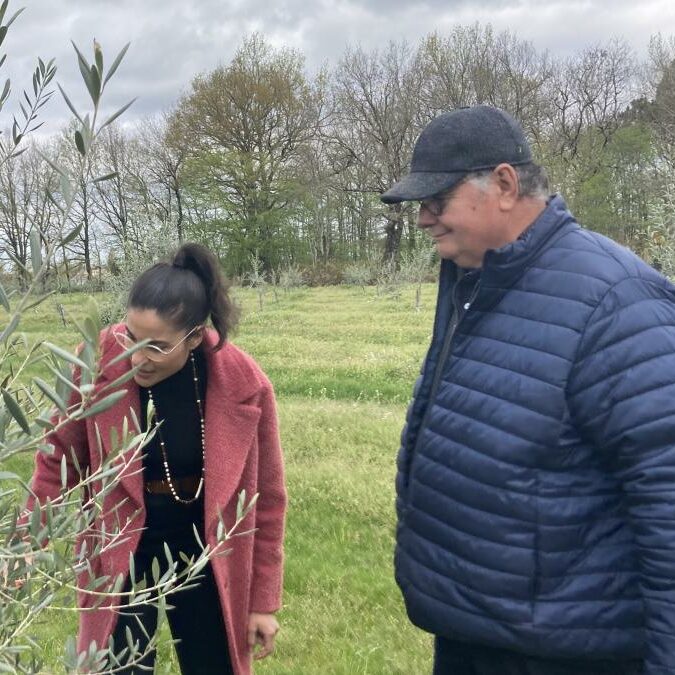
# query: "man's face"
[[467, 224]]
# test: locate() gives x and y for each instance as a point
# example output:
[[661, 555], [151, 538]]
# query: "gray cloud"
[[173, 40]]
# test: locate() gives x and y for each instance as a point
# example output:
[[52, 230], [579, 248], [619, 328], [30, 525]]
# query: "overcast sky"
[[173, 40]]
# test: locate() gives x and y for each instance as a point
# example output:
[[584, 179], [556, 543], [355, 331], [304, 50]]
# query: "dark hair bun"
[[188, 291]]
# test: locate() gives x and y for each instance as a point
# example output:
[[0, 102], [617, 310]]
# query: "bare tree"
[[474, 65], [377, 123], [164, 159], [588, 96], [24, 208]]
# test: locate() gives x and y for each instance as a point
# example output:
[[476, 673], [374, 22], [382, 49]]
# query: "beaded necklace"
[[165, 457]]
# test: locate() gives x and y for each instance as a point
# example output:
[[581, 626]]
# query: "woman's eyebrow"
[[153, 342]]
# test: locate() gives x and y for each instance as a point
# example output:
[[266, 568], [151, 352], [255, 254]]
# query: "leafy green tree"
[[246, 126], [615, 199]]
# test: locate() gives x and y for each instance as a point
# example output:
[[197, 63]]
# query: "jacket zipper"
[[445, 351]]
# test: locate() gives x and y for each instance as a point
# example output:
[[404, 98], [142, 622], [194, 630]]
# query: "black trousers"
[[195, 617], [458, 658]]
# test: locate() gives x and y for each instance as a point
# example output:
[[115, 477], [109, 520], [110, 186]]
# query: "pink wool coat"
[[242, 452]]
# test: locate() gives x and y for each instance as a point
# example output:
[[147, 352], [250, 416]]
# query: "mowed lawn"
[[343, 362]]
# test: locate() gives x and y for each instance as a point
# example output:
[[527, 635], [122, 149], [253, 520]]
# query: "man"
[[536, 477]]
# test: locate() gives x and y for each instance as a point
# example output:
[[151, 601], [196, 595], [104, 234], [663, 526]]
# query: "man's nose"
[[424, 218]]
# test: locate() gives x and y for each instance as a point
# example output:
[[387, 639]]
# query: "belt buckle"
[[149, 489]]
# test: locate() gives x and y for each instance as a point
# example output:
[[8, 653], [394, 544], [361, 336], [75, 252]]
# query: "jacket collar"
[[504, 266], [554, 218]]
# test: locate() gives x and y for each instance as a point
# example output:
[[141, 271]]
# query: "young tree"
[[37, 572]]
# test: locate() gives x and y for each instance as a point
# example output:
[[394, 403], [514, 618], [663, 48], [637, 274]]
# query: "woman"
[[218, 436]]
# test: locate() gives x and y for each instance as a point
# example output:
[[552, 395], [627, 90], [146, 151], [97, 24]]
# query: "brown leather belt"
[[186, 486]]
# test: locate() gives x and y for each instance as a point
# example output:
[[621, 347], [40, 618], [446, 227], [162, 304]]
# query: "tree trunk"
[[393, 231], [179, 222]]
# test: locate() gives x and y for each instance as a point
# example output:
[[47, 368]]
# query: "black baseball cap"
[[457, 143]]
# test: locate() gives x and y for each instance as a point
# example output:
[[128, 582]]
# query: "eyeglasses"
[[436, 205], [152, 352]]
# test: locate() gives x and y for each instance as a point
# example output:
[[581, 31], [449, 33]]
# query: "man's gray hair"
[[532, 180]]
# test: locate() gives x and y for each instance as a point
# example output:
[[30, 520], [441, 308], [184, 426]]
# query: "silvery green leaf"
[[122, 379], [14, 16], [69, 104], [79, 143], [37, 301], [4, 300], [64, 380], [84, 66], [108, 176], [35, 251], [54, 166], [15, 411], [10, 328], [115, 115], [34, 523], [5, 91], [154, 567], [66, 188], [241, 501], [50, 393], [103, 404], [116, 63], [67, 356], [72, 234], [64, 472], [45, 423], [92, 327], [98, 57], [94, 85]]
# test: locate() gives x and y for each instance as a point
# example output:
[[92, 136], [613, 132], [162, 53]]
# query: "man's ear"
[[508, 186]]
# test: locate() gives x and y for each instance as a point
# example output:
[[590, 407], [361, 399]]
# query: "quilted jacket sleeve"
[[622, 394]]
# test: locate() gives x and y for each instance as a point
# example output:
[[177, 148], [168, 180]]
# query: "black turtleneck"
[[176, 407]]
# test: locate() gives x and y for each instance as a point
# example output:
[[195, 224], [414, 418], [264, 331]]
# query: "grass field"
[[343, 362]]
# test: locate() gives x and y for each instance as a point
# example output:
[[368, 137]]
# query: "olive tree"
[[41, 567]]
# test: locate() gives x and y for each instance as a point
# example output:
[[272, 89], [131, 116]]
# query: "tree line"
[[260, 159]]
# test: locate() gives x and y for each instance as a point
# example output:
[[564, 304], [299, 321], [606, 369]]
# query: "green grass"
[[343, 363], [339, 343]]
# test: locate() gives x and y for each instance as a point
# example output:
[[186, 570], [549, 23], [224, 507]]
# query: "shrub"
[[323, 274]]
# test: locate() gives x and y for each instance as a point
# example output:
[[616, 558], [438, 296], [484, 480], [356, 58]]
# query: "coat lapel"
[[102, 425], [231, 425]]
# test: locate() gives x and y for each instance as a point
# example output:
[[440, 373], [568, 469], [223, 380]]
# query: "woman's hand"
[[262, 628]]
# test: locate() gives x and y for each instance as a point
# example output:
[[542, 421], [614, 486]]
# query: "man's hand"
[[262, 628]]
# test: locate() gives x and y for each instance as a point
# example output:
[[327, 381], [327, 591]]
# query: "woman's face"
[[146, 324]]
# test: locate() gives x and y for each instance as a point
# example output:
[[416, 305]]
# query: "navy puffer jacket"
[[536, 477]]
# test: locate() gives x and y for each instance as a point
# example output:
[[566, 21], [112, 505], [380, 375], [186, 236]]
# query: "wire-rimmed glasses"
[[152, 351]]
